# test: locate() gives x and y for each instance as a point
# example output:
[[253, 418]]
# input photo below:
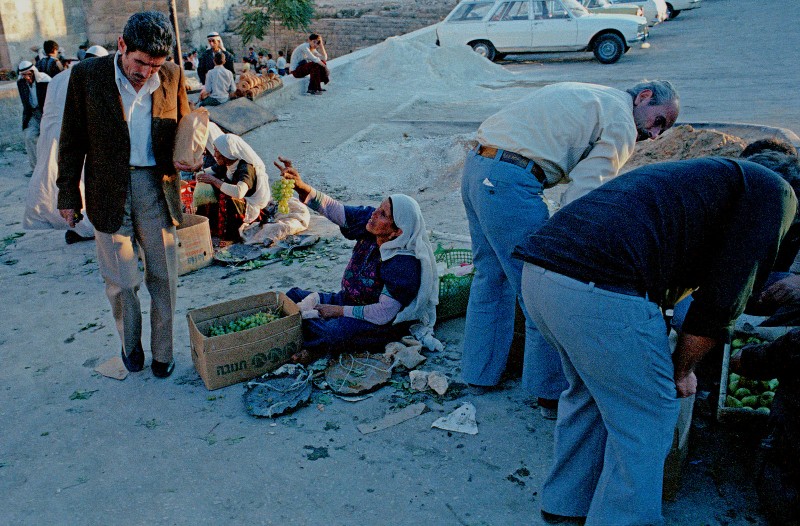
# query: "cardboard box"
[[195, 250], [239, 356]]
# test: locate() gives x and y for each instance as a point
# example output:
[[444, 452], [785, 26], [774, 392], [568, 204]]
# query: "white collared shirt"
[[138, 110]]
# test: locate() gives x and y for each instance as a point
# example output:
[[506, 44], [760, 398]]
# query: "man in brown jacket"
[[120, 119]]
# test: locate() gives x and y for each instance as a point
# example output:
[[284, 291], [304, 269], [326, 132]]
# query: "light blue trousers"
[[617, 418], [504, 204]]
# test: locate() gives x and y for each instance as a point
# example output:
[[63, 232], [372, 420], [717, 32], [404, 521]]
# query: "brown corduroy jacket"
[[94, 131]]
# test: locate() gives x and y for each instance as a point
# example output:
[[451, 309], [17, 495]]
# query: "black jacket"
[[206, 63], [25, 94]]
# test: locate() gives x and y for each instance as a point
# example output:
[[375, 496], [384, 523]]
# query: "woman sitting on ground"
[[390, 280], [240, 184]]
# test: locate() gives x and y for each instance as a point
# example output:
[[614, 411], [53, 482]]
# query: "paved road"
[[732, 60]]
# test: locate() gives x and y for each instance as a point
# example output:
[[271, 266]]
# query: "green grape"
[[282, 191]]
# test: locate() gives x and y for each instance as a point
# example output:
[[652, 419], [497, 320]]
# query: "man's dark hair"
[[50, 46], [765, 145], [83, 46], [280, 53], [269, 55], [783, 164], [313, 36], [219, 58], [149, 32]]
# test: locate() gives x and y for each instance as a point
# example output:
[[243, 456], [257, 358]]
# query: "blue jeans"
[[504, 205], [617, 418], [337, 335]]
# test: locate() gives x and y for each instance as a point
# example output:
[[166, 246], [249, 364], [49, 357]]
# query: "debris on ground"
[[462, 420], [685, 142], [278, 392], [113, 368], [393, 419], [358, 373]]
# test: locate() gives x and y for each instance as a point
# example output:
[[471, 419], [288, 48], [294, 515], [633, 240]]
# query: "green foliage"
[[294, 15]]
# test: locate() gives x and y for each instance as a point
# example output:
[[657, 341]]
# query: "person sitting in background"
[[251, 57], [310, 59], [281, 64], [261, 63], [390, 280], [240, 185], [271, 64], [188, 65], [219, 84]]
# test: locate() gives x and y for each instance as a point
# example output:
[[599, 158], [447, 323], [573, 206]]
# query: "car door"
[[552, 26], [509, 26]]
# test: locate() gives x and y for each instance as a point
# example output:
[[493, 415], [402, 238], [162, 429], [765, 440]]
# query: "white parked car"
[[494, 28], [655, 11], [674, 7]]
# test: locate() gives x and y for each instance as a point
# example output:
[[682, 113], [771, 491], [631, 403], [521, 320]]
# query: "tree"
[[294, 15]]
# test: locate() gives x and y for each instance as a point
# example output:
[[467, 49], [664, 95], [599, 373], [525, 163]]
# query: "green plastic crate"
[[453, 290]]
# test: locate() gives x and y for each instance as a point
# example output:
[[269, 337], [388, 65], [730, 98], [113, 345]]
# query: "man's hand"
[[330, 311], [782, 292], [69, 216], [686, 386], [184, 167]]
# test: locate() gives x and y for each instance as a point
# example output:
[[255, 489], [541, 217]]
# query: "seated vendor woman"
[[240, 185], [390, 280]]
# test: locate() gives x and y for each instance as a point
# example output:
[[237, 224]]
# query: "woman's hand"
[[330, 311], [204, 177], [288, 171]]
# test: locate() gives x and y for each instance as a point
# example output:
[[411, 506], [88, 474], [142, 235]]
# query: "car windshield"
[[596, 3], [470, 11], [575, 8]]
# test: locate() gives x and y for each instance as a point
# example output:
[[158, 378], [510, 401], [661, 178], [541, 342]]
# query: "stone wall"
[[347, 28]]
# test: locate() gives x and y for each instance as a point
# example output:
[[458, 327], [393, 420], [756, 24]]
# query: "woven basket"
[[453, 290]]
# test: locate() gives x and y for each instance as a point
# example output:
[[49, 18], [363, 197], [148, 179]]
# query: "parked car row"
[[607, 28]]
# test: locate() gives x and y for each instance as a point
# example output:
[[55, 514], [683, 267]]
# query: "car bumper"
[[641, 35]]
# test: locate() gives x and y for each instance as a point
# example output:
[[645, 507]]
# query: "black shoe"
[[552, 518], [70, 236], [312, 92], [134, 362], [161, 369]]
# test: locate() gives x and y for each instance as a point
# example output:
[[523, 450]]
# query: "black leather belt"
[[513, 158], [619, 289]]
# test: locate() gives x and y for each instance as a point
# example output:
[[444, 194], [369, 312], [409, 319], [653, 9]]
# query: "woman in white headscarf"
[[390, 282], [241, 185]]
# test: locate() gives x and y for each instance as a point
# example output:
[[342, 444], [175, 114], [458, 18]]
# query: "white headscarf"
[[233, 147], [216, 36], [26, 65], [414, 242]]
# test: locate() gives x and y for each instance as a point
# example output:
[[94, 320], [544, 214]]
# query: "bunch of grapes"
[[244, 323], [282, 190]]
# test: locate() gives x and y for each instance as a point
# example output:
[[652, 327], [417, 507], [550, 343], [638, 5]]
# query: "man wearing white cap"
[[41, 204], [206, 61], [32, 86]]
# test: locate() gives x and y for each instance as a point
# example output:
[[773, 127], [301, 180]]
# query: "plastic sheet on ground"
[[462, 420], [278, 392], [357, 373]]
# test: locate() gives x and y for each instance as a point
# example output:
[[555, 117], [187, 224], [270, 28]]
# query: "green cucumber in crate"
[[746, 393]]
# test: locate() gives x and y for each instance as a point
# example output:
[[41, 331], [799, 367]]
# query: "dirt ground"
[[78, 448]]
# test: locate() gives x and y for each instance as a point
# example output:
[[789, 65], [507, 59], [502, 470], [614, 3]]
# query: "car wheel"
[[672, 13], [484, 48], [608, 48]]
